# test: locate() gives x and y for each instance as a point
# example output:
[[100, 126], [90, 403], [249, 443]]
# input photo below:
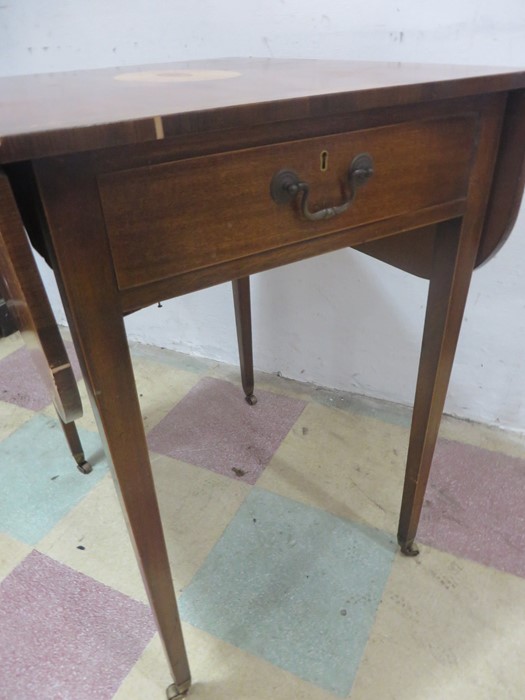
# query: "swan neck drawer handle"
[[286, 185]]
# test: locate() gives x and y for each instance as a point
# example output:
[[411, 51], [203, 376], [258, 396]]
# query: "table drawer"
[[189, 214]]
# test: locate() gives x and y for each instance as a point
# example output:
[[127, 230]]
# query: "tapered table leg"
[[82, 264], [112, 391], [447, 295], [243, 320], [456, 248]]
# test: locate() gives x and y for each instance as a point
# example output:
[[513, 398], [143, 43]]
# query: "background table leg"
[[243, 319]]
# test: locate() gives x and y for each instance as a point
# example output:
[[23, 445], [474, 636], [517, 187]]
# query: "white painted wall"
[[341, 320]]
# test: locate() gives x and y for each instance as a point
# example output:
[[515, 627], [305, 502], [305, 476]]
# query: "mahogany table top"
[[53, 113]]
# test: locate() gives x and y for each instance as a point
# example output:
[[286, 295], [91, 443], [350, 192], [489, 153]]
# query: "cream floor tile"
[[10, 344], [12, 417], [486, 436], [283, 385], [11, 553], [159, 386], [175, 359], [347, 464], [447, 629], [196, 506], [220, 672], [264, 381], [97, 524]]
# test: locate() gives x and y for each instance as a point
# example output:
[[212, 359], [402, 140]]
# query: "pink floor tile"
[[20, 382], [64, 635], [474, 507], [213, 427]]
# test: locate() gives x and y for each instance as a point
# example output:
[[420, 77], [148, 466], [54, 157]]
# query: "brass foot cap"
[[409, 549], [251, 399], [175, 692], [84, 467]]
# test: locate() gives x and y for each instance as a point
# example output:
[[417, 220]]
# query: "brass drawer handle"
[[286, 185]]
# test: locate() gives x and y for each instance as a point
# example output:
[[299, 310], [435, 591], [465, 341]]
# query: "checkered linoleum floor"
[[280, 522]]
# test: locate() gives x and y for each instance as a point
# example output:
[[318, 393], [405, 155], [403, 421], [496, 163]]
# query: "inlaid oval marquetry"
[[177, 76]]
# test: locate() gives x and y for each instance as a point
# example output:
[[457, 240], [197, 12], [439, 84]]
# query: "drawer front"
[[190, 214]]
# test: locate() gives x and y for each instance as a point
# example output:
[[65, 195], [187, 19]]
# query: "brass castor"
[[84, 467], [251, 399], [409, 549], [176, 692]]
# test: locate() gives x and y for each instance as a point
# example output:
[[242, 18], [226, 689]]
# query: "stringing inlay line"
[[159, 128]]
